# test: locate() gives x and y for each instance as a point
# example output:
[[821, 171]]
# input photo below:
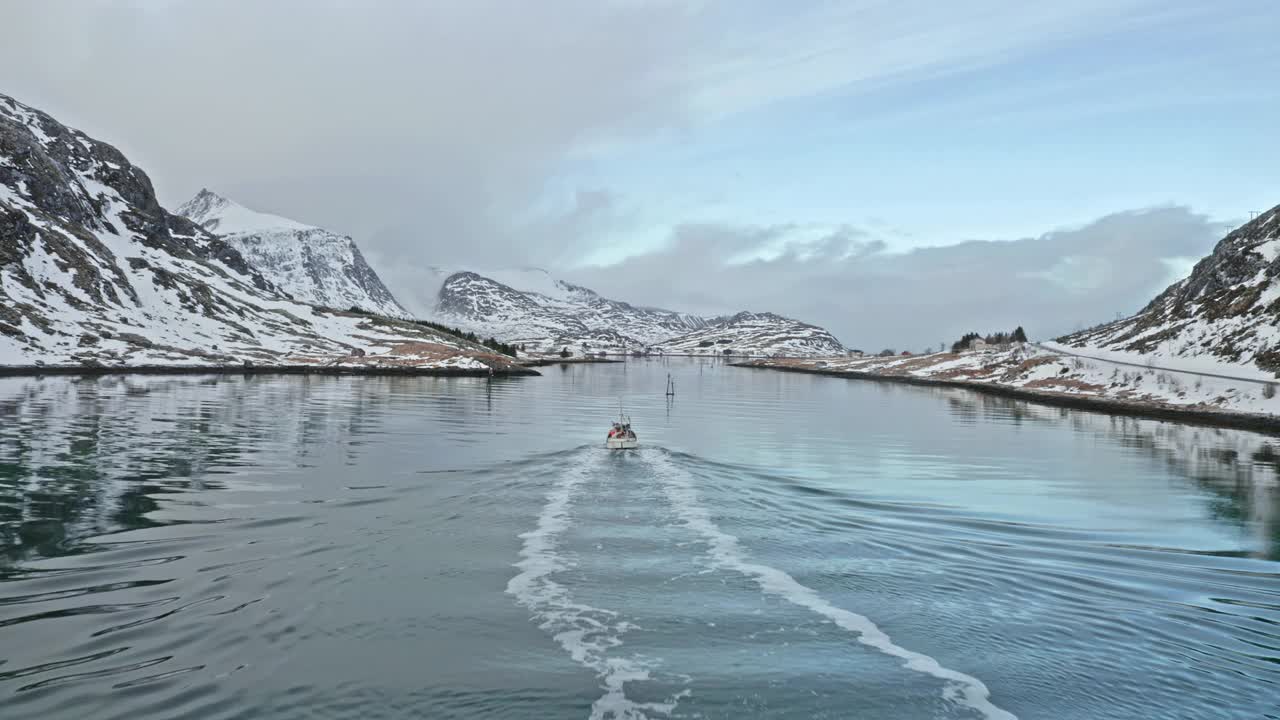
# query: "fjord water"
[[783, 545]]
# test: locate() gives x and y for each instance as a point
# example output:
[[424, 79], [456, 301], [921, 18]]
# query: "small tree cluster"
[[491, 343], [997, 338]]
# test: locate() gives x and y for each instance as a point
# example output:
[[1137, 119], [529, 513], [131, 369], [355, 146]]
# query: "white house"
[[978, 345]]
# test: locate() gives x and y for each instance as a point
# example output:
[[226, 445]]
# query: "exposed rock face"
[[311, 264], [558, 314], [94, 272], [1227, 309]]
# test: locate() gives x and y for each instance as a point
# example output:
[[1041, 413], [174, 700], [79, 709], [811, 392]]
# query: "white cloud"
[[806, 50], [870, 297]]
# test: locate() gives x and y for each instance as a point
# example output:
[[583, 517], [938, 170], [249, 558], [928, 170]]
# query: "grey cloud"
[[873, 298], [428, 130], [549, 239], [422, 129], [842, 244]]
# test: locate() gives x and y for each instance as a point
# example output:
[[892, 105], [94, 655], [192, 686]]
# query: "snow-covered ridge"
[[312, 264], [222, 216], [545, 313], [94, 272], [1226, 312], [750, 333]]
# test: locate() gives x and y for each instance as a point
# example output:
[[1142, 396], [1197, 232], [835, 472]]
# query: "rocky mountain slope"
[[1227, 311], [530, 307], [94, 272], [310, 263], [552, 312], [757, 334]]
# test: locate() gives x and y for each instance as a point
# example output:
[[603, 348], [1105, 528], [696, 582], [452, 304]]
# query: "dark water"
[[781, 546]]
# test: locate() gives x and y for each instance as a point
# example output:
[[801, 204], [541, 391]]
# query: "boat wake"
[[587, 633], [726, 553], [591, 635]]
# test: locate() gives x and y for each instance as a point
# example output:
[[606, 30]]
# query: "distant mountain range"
[[531, 307], [94, 272], [527, 307], [1227, 310]]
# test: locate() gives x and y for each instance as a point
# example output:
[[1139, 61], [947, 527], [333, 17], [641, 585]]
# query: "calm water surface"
[[782, 546]]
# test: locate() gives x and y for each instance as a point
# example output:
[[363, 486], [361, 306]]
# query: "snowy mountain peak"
[[751, 333], [94, 272], [217, 214], [203, 206], [748, 316], [530, 307], [310, 263]]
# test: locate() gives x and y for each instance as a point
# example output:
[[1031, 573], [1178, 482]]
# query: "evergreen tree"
[[1019, 335]]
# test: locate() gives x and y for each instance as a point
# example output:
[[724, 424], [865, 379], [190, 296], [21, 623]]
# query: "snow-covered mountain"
[[757, 334], [547, 311], [531, 307], [1227, 312], [312, 264], [93, 271]]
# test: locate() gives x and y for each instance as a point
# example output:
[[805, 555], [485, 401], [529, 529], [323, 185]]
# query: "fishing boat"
[[621, 436]]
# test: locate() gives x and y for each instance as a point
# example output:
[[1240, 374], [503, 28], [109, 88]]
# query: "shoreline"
[[89, 370], [544, 362], [1269, 424]]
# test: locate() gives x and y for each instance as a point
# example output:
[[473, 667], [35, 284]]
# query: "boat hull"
[[621, 444]]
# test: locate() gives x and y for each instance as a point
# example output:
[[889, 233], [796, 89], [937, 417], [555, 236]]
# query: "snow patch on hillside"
[[1165, 357], [1046, 371]]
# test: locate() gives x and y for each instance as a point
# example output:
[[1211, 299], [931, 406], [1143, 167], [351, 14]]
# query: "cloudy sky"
[[899, 171]]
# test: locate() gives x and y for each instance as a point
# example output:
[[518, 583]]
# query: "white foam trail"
[[587, 633], [726, 552]]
